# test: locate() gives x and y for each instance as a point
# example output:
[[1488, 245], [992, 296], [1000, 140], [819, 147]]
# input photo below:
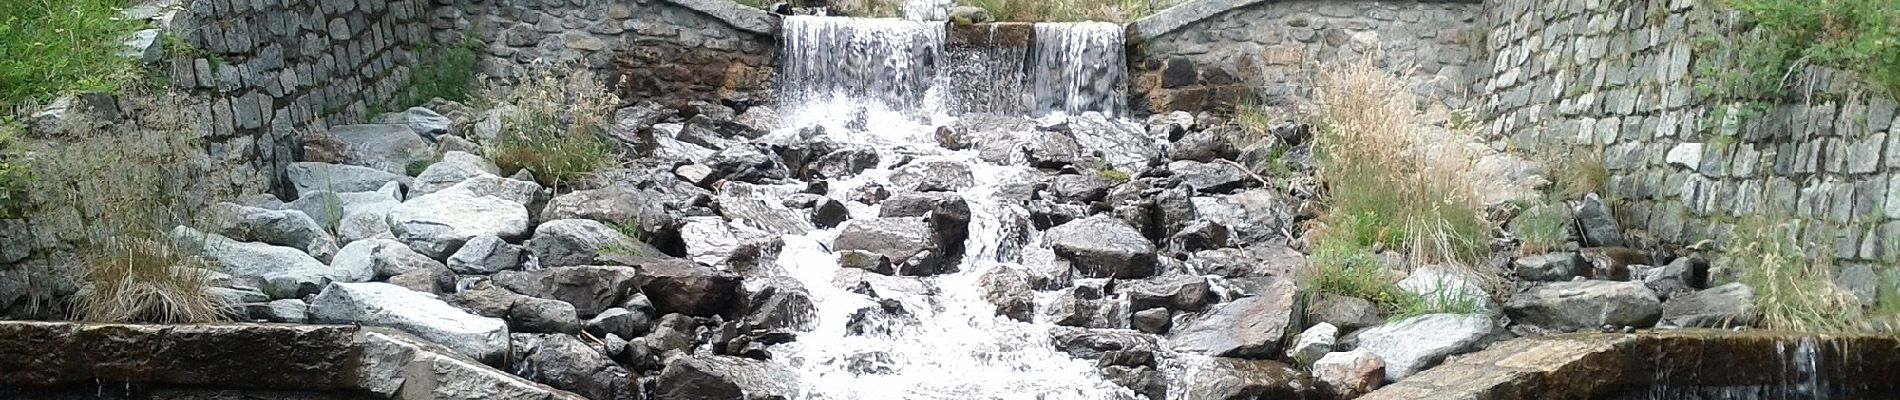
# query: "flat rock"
[[288, 228], [1582, 305], [1722, 306], [308, 177], [286, 272], [1250, 327], [1103, 247], [382, 304], [439, 223], [1414, 344], [591, 289], [386, 147], [711, 377]]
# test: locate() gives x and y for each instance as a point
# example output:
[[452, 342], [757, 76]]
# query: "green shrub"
[[116, 195], [51, 47], [1541, 228], [1856, 35], [447, 72], [551, 124], [1793, 277]]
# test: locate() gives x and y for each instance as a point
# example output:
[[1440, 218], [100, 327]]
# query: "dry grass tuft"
[[551, 124], [145, 280], [1793, 278], [1120, 11]]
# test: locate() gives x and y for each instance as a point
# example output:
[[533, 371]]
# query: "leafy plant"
[[51, 47], [551, 124]]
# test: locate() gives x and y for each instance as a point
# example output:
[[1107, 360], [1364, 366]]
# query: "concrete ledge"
[[1184, 14], [1594, 366], [348, 361], [739, 16]]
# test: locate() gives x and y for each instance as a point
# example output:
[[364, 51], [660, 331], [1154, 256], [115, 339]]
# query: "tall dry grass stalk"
[[551, 123], [115, 192], [1391, 178], [1069, 10], [1793, 278]]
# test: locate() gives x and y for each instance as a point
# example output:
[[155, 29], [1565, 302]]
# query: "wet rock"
[[455, 167], [590, 289], [674, 333], [1045, 214], [1723, 306], [705, 132], [1250, 327], [1236, 379], [309, 177], [286, 272], [1098, 344], [1153, 320], [288, 228], [1087, 305], [614, 205], [1200, 235], [759, 209], [750, 163], [909, 243], [1007, 288], [844, 163], [1144, 380], [1055, 150], [1216, 177], [1553, 267], [887, 317], [437, 224], [780, 303], [1349, 374], [1680, 276], [865, 260], [1580, 305], [1177, 292], [1598, 224], [1414, 344], [1313, 343], [932, 176], [828, 213], [1346, 313], [1103, 247], [1274, 260], [869, 193], [529, 314], [948, 214], [382, 304], [620, 322], [715, 241], [567, 363], [1079, 188], [485, 255], [1251, 216], [676, 286], [570, 242], [708, 377], [1202, 146]]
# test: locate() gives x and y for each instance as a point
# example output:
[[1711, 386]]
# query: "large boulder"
[[844, 163], [484, 255], [308, 177], [932, 176], [1347, 313], [381, 259], [716, 241], [1346, 375], [1581, 305], [1220, 378], [424, 122], [571, 242], [1723, 306], [1448, 287], [1253, 216], [1414, 344], [711, 377], [677, 286], [948, 213], [1313, 343], [780, 303], [288, 228], [286, 272], [751, 163], [382, 304], [439, 223], [1176, 292], [1250, 327], [1007, 288], [386, 147], [1598, 223], [1103, 247], [1079, 188], [906, 242], [567, 363], [1215, 177], [352, 215], [1556, 266], [613, 204], [454, 168], [591, 289]]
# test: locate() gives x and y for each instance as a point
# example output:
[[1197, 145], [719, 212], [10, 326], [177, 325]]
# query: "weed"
[[1574, 173], [116, 195], [1792, 278], [1341, 267], [447, 72], [52, 47], [551, 124], [1388, 181], [14, 171], [634, 228], [1856, 35], [1541, 228], [1067, 10]]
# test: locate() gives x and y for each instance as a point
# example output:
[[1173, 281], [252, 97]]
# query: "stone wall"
[[1209, 54], [1624, 75], [267, 69], [668, 50]]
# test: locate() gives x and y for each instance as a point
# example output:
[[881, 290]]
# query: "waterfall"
[[887, 84]]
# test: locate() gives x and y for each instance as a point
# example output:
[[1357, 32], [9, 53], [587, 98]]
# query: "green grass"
[[1793, 277], [1856, 35], [1341, 267], [447, 72], [15, 173], [1066, 10], [52, 47], [551, 124], [1541, 228]]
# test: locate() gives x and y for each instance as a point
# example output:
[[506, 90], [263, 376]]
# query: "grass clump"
[[1793, 278], [51, 47], [1856, 35], [1341, 267], [1575, 174], [116, 194], [1541, 228], [447, 72], [551, 124], [1388, 182]]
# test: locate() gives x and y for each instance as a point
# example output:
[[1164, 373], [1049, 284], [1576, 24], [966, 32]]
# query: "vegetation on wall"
[[1862, 36], [446, 72], [14, 171], [50, 47]]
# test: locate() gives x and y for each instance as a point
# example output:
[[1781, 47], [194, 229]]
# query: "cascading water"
[[877, 83], [1079, 67]]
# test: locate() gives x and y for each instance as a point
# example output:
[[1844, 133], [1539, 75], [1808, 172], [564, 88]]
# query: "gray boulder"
[[439, 223], [352, 215], [932, 176], [1557, 266], [484, 255], [1236, 379], [1251, 216], [308, 177], [424, 122], [1580, 305], [567, 363], [381, 259], [1598, 224], [386, 147], [1103, 247], [907, 242], [620, 322], [1177, 292], [779, 303], [591, 289], [970, 15], [1250, 327], [1202, 146], [716, 241], [1723, 306], [386, 305], [1347, 313], [1313, 343], [530, 314], [1414, 344], [711, 377], [1448, 287], [286, 272], [288, 228], [677, 286], [571, 242], [289, 311], [1007, 288], [1079, 188], [454, 168], [1209, 177], [432, 278]]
